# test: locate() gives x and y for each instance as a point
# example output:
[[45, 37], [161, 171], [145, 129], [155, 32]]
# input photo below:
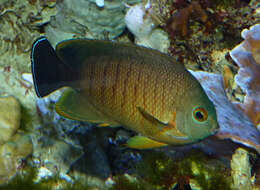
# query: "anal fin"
[[110, 124], [141, 142]]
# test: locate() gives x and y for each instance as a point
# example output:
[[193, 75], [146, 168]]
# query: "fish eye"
[[200, 114]]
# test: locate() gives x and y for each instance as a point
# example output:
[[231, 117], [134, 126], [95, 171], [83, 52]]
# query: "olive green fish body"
[[119, 85], [139, 88]]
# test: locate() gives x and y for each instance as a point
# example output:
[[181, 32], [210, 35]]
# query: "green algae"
[[156, 171], [25, 180], [124, 182], [162, 171]]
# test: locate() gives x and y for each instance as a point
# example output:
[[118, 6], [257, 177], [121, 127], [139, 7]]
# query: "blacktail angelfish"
[[117, 84]]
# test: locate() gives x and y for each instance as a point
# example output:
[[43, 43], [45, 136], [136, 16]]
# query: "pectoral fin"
[[161, 125], [168, 128], [141, 142], [74, 106]]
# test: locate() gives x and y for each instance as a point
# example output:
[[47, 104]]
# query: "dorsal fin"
[[77, 51]]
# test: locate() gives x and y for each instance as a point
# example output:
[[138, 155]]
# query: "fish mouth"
[[177, 137]]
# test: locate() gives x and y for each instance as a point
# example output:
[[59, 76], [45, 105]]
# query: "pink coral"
[[247, 57]]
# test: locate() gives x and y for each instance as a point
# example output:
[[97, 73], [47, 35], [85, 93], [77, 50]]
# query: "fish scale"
[[147, 95]]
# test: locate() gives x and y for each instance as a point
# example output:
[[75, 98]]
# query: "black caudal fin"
[[49, 72]]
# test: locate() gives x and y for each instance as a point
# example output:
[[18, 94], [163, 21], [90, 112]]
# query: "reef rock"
[[57, 155], [87, 18], [20, 25], [19, 22], [10, 115], [13, 146], [11, 155], [241, 170]]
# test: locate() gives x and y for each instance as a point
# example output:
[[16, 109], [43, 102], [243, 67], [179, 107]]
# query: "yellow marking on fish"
[[141, 142], [103, 125]]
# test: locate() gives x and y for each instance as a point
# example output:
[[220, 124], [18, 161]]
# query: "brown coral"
[[179, 21]]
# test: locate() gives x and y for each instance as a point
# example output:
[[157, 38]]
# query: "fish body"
[[121, 84]]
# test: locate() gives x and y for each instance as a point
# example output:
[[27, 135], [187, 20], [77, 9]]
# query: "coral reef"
[[234, 124], [21, 22], [10, 116], [27, 175], [159, 171], [68, 154], [219, 30], [178, 22], [241, 170], [87, 19], [53, 148], [247, 57], [14, 146], [142, 22], [12, 154]]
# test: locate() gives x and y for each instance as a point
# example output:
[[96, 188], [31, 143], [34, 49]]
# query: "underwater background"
[[218, 41]]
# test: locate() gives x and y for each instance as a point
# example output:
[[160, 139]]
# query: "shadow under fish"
[[116, 84]]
